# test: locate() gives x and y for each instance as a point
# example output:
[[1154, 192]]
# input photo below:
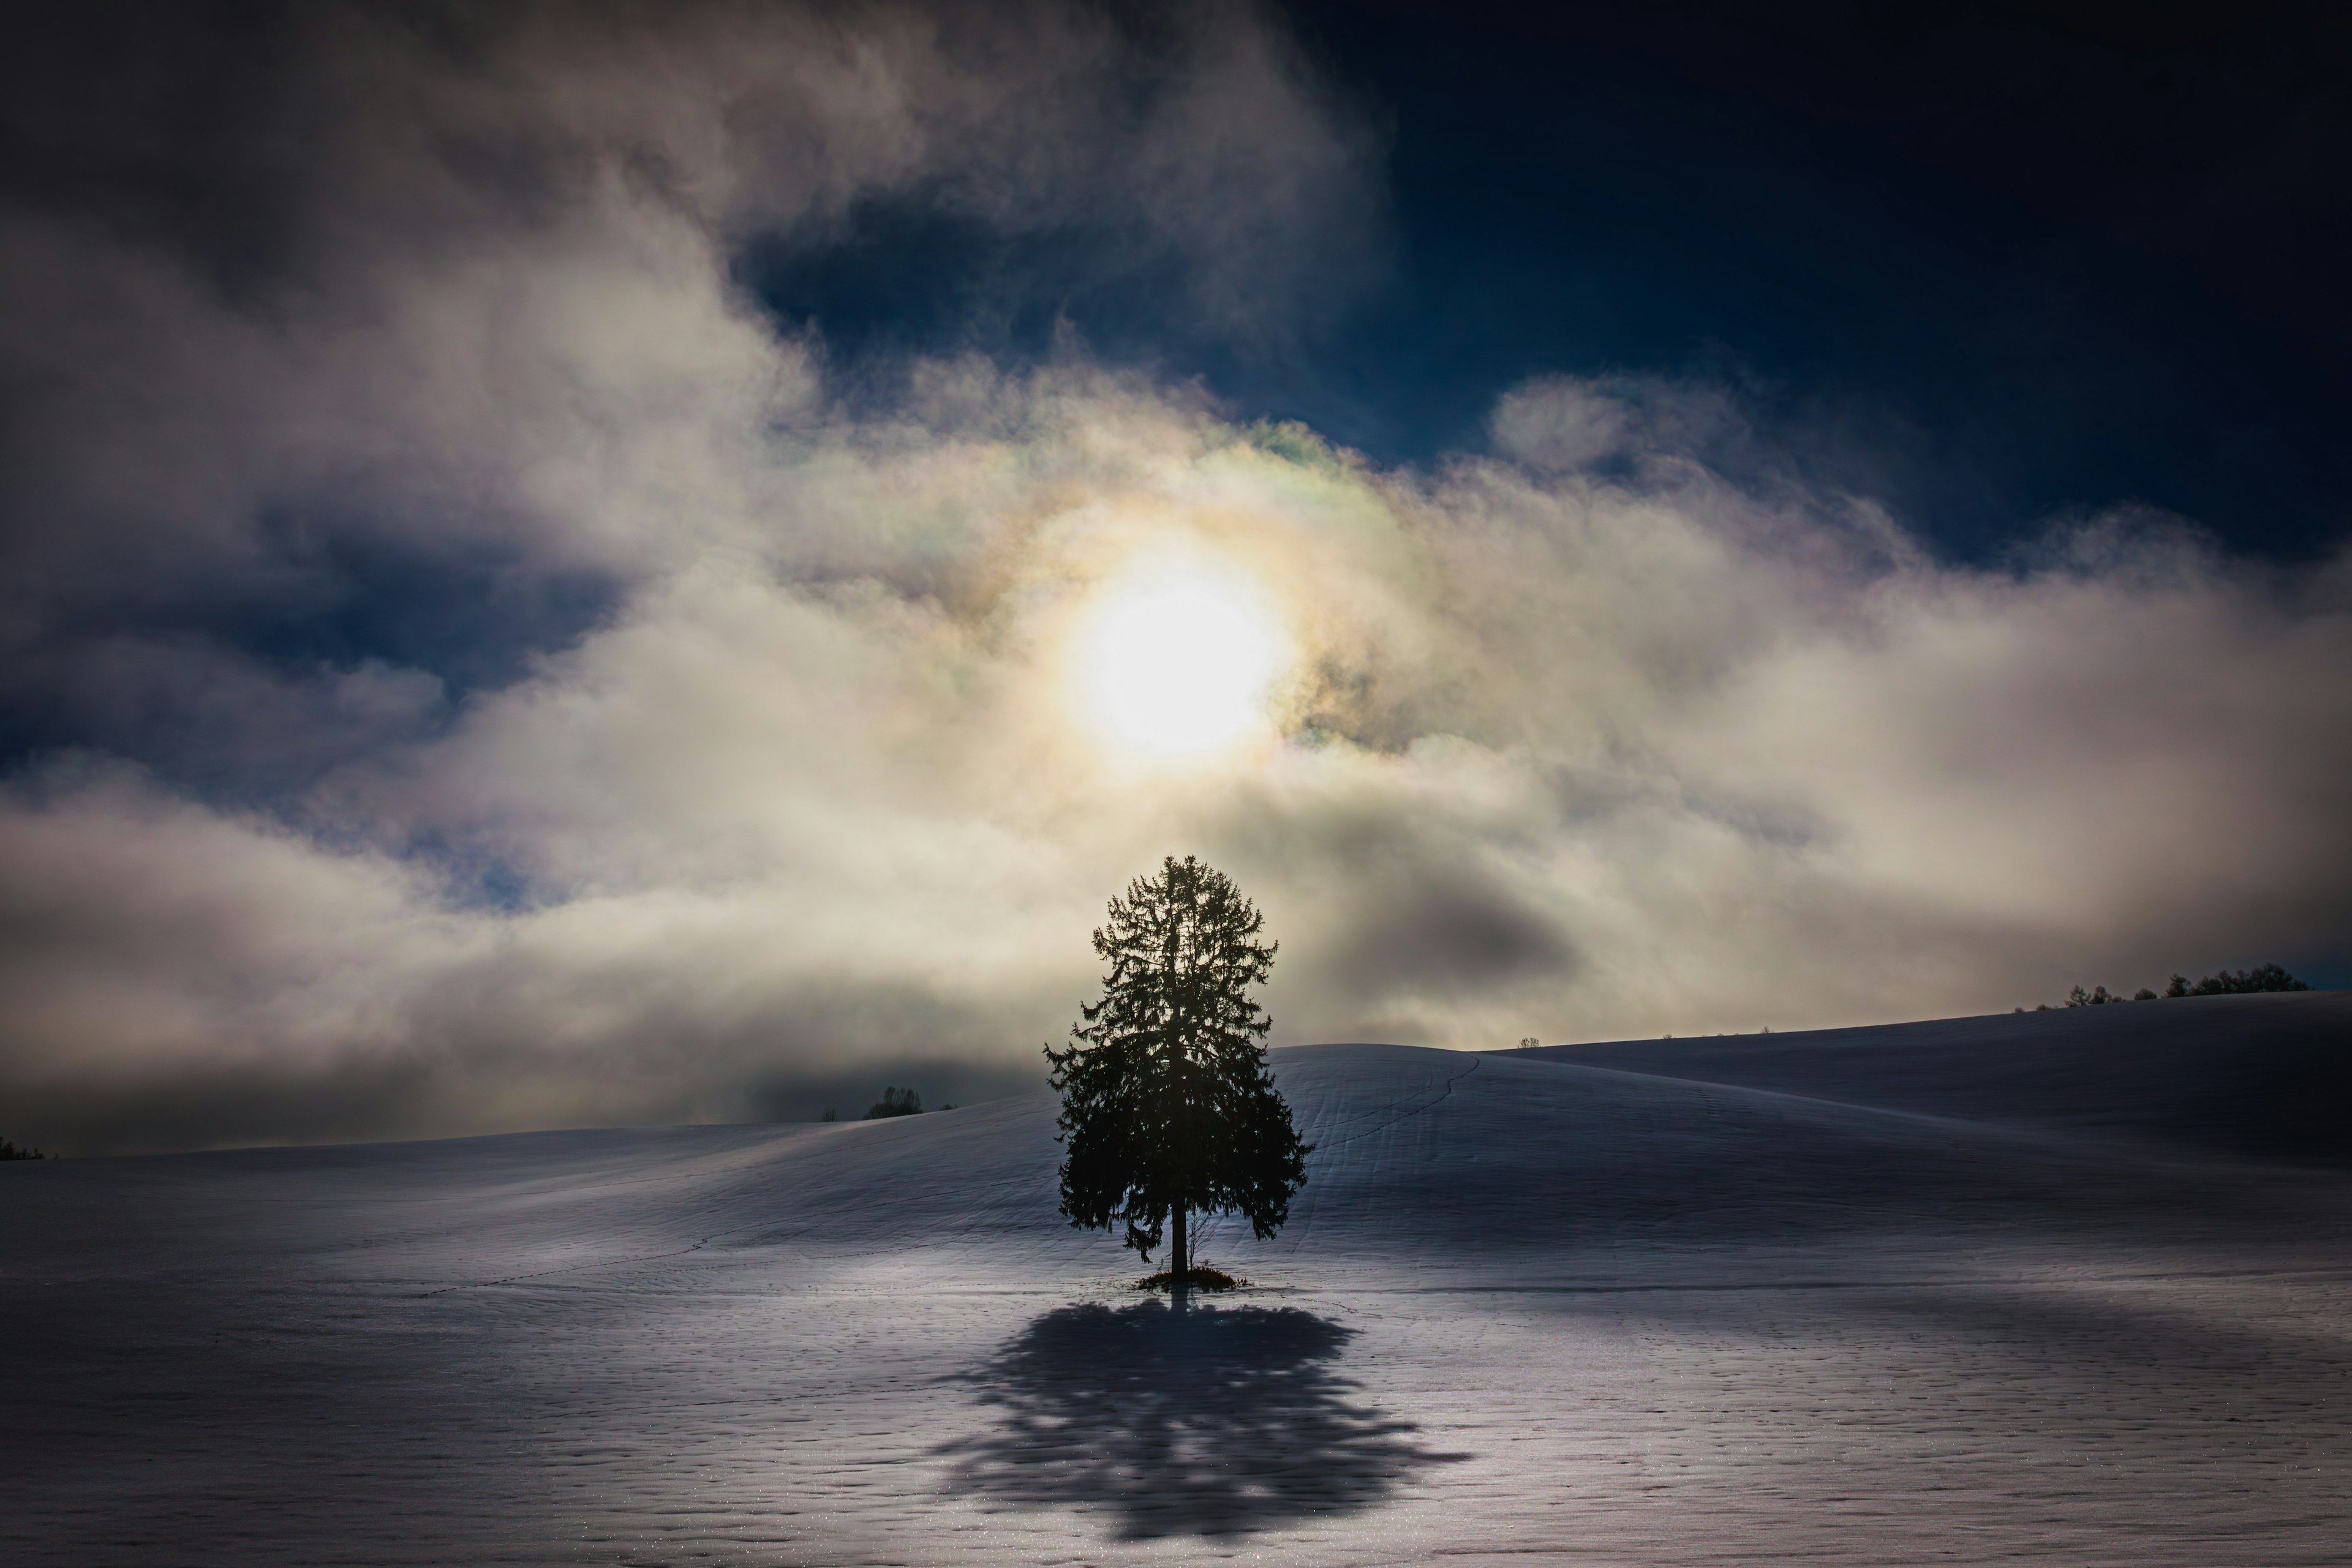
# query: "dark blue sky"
[[1986, 262]]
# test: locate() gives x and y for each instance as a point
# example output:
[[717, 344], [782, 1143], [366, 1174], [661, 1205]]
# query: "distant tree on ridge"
[[2245, 982], [896, 1101]]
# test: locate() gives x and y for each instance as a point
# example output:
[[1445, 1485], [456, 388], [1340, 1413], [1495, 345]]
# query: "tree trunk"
[[1181, 1263]]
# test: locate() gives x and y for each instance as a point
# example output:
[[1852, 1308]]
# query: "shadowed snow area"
[[2067, 1287], [2266, 1076]]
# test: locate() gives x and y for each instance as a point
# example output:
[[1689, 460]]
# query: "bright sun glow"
[[1177, 662]]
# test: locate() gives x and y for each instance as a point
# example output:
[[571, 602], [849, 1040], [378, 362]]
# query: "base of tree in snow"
[[1196, 1278]]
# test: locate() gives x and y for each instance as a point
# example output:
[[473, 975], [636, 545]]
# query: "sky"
[[586, 563]]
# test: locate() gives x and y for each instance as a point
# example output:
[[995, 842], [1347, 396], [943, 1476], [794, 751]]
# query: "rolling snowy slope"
[[1844, 1305], [2263, 1076]]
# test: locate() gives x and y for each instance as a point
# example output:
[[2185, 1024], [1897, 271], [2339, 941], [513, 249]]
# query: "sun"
[[1177, 660]]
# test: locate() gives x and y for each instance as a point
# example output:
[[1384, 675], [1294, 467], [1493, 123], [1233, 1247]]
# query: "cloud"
[[1562, 423], [477, 672], [454, 285]]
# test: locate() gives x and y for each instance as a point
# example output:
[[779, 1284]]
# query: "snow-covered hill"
[[2055, 1286], [2261, 1077]]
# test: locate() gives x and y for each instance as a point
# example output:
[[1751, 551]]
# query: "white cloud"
[[1584, 737]]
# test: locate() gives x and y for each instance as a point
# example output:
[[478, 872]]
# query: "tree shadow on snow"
[[1212, 1421]]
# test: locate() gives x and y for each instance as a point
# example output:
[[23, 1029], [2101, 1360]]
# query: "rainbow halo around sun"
[[1177, 659]]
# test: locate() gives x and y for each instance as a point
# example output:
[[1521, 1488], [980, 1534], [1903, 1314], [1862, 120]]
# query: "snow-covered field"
[[2066, 1288]]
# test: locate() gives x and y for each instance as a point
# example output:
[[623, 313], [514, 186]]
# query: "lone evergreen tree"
[[1167, 1105]]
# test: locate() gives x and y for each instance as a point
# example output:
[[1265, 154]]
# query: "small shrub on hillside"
[[896, 1103]]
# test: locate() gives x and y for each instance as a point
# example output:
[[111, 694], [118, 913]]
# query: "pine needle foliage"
[[1168, 1107]]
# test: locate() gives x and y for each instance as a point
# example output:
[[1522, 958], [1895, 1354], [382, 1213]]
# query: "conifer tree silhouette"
[[1167, 1103]]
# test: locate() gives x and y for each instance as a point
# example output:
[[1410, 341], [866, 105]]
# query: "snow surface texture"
[[2020, 1288]]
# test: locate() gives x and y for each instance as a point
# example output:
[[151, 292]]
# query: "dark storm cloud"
[[1441, 935], [469, 665]]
